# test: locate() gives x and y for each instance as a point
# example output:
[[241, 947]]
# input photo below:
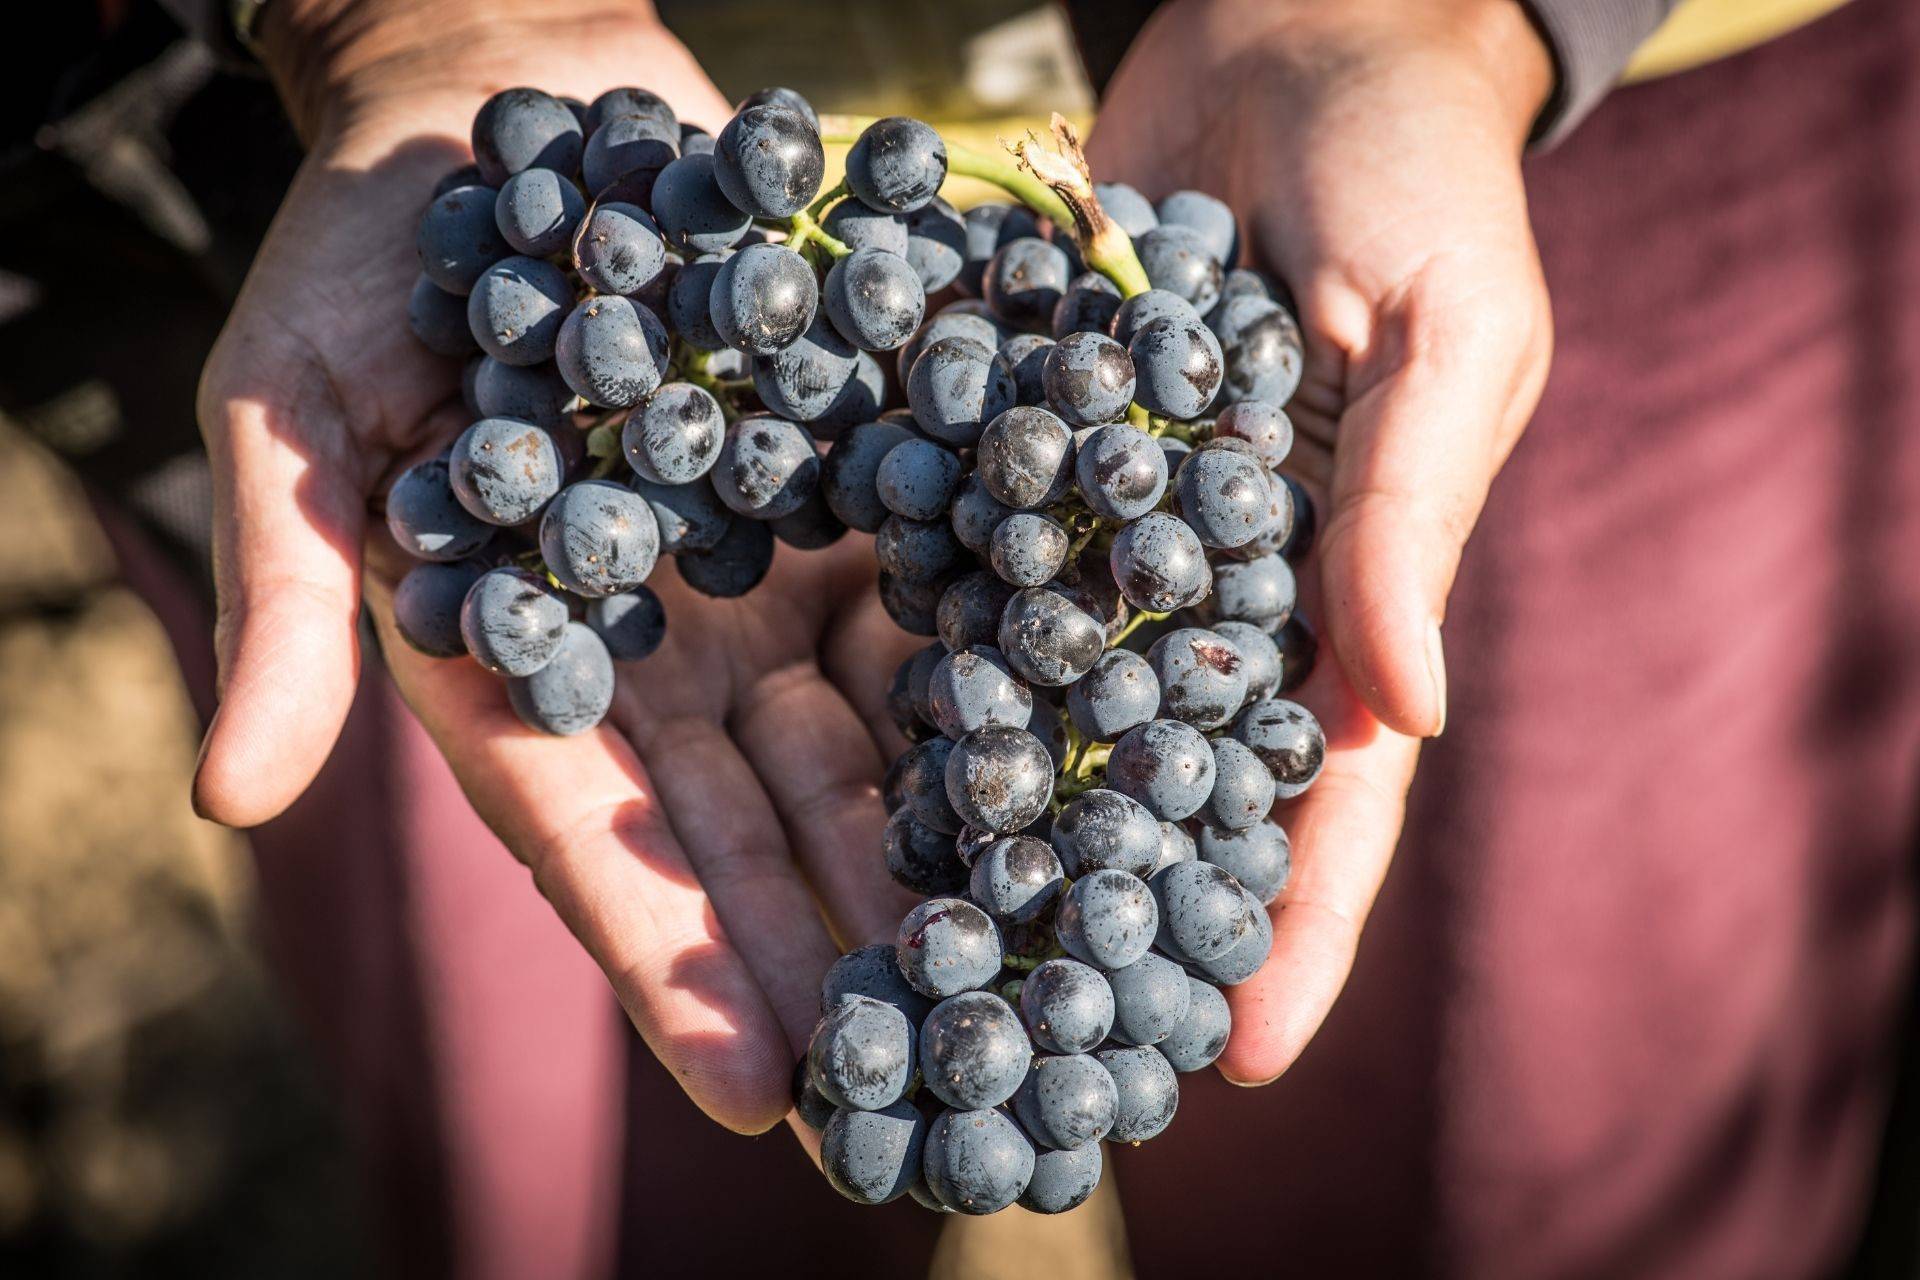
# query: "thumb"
[[287, 528], [1418, 446]]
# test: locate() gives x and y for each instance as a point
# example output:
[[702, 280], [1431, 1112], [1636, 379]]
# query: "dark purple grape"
[[503, 470], [1224, 494], [1241, 963], [1088, 305], [973, 1050], [1202, 1034], [917, 551], [1122, 472], [977, 1162], [426, 606], [1204, 912], [1177, 367], [775, 96], [734, 565], [1028, 549], [1120, 692], [873, 1157], [862, 1054], [538, 211], [1259, 857], [427, 519], [572, 691], [1089, 379], [1150, 999], [936, 243], [1298, 648], [767, 468], [850, 472], [874, 299], [970, 609], [1026, 356], [1260, 591], [1149, 1093], [625, 155], [1127, 207], [917, 479], [922, 859], [1264, 351], [689, 309], [1048, 638], [613, 352], [675, 436], [769, 161], [1159, 564], [946, 946], [897, 164], [989, 228], [923, 785], [1025, 458], [858, 227], [619, 249], [1107, 919], [976, 689], [599, 538], [1062, 1180], [1024, 282], [1180, 260], [1207, 215], [1142, 309], [1068, 1006], [691, 516], [1165, 765], [615, 103], [1105, 830], [1016, 879], [439, 319], [999, 779], [458, 239], [1202, 679], [1258, 653], [976, 514], [803, 379], [632, 625], [1066, 1102], [520, 129], [763, 298], [513, 621], [1288, 740], [956, 387], [811, 527], [694, 215]]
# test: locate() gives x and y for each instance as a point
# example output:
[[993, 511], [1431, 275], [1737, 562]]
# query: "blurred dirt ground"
[[156, 1114]]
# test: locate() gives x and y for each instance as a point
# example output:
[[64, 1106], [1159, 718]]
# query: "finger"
[[734, 842], [287, 529], [1438, 400], [585, 818], [823, 772], [1343, 831]]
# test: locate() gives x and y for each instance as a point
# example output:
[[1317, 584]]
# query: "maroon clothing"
[[1628, 1004]]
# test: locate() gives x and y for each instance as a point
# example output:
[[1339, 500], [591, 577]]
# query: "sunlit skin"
[[716, 841]]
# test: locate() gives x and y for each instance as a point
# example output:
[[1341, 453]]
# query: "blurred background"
[[162, 1106]]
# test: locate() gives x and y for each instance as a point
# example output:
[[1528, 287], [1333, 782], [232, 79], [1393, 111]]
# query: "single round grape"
[[920, 858], [1121, 471], [769, 161], [1159, 564], [873, 1157], [1149, 1092], [917, 551], [946, 946], [613, 351], [790, 99], [503, 470], [572, 691], [1107, 919], [763, 298], [1204, 912], [973, 1050], [872, 971], [1142, 309], [1259, 591], [1262, 424], [1118, 693], [936, 243], [1243, 789], [970, 609], [599, 538], [1150, 999], [1026, 356], [1177, 367], [458, 239], [1288, 740], [896, 164], [439, 319], [1025, 457], [624, 157], [1102, 830], [849, 474], [628, 101], [1028, 549], [1202, 1034], [619, 248], [690, 516], [1258, 654], [977, 1162], [1175, 846], [1089, 379], [923, 785], [1016, 879], [957, 320], [1048, 638], [426, 606], [858, 227], [1209, 216], [976, 514], [957, 386], [862, 1054], [976, 689], [912, 605], [989, 228], [689, 307], [734, 565], [426, 518], [803, 379], [1298, 648], [1179, 260], [1259, 857], [767, 468], [1224, 495], [1241, 963], [859, 400], [1165, 765], [694, 215], [1068, 1006], [675, 436], [811, 527], [1088, 306], [999, 779], [536, 394], [1202, 679], [1265, 354], [1062, 1180], [1127, 207], [917, 479], [537, 212], [874, 299], [632, 625], [1024, 282], [1066, 1101], [813, 1108]]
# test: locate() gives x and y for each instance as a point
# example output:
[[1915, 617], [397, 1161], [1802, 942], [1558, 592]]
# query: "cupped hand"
[[736, 780], [1372, 153]]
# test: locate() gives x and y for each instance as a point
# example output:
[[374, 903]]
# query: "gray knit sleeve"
[[1591, 41]]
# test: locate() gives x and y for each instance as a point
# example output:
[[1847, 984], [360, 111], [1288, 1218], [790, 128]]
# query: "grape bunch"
[[1061, 421], [1081, 505]]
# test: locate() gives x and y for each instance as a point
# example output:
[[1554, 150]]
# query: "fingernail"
[[1437, 673], [1252, 1084]]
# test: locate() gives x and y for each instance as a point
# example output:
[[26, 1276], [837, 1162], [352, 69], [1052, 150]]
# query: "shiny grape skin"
[[946, 946], [1048, 638], [1121, 472], [1165, 765], [863, 1054], [973, 1051], [1107, 919], [1068, 1006], [1101, 829], [1126, 206], [599, 538], [613, 352], [1209, 216], [977, 1162], [1067, 1101], [1089, 379], [427, 520], [1148, 1091], [504, 470], [920, 858], [537, 212], [766, 469], [734, 565], [874, 299], [976, 689], [999, 779], [1179, 260], [1015, 879], [572, 692], [1203, 681], [1202, 1034], [458, 238], [1204, 910], [1024, 281], [763, 298], [1159, 564], [956, 387], [1120, 692], [1178, 367], [1288, 739], [873, 1157], [769, 161], [618, 248], [1259, 857], [897, 164], [1150, 998]]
